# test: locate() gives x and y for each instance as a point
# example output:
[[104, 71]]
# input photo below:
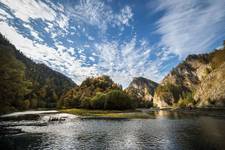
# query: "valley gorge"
[[199, 81]]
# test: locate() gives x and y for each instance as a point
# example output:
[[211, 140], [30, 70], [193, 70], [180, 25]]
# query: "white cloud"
[[191, 26], [4, 15], [92, 55], [63, 21], [125, 61], [60, 59], [90, 38], [92, 58], [25, 9], [33, 32], [124, 17], [99, 14]]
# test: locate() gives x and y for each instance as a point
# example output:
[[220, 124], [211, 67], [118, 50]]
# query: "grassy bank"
[[111, 114]]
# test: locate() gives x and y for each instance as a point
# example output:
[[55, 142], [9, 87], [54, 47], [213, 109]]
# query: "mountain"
[[77, 96], [25, 84], [143, 90], [198, 81]]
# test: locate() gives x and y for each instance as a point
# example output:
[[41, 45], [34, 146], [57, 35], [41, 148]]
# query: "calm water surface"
[[167, 130]]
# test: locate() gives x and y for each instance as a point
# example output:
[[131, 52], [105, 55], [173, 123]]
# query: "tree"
[[117, 99], [98, 101], [13, 86]]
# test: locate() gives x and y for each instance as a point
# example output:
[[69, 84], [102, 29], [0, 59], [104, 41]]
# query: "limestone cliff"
[[199, 80], [143, 90]]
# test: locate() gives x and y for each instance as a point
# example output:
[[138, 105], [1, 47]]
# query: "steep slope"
[[199, 80], [211, 90], [48, 85], [25, 84], [143, 90]]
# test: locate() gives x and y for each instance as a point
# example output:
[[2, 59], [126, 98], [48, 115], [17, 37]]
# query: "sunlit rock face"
[[211, 90], [199, 80], [143, 88]]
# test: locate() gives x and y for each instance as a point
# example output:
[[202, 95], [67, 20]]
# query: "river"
[[166, 130]]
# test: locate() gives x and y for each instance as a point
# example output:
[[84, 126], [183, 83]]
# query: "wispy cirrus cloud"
[[127, 60], [59, 59], [191, 26], [54, 19], [87, 38], [30, 9], [99, 14]]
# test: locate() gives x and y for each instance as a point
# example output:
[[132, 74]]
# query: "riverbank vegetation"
[[114, 99], [111, 114]]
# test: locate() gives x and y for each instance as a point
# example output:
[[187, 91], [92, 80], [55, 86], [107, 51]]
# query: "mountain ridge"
[[197, 81], [25, 84], [188, 81], [142, 89]]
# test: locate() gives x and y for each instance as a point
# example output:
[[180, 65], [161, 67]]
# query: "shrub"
[[98, 101], [186, 99], [70, 103], [117, 99], [86, 103], [114, 99], [175, 90]]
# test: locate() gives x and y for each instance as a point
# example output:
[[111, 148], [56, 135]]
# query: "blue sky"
[[122, 39]]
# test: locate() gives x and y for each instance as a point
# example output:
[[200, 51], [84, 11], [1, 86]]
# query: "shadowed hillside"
[[25, 84]]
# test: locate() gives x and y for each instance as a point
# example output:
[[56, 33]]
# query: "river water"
[[166, 130]]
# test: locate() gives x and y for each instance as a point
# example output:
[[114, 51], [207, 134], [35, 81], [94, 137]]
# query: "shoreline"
[[106, 114], [139, 113]]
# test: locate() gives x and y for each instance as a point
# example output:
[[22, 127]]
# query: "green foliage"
[[89, 92], [33, 103], [137, 96], [175, 90], [25, 84], [68, 103], [13, 86], [217, 58], [98, 101], [113, 99], [145, 104], [117, 99], [26, 104], [116, 114], [186, 100], [86, 103]]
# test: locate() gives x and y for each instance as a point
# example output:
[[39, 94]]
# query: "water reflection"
[[168, 131]]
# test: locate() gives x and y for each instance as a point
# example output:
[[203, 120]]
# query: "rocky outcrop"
[[211, 91], [142, 89], [198, 80]]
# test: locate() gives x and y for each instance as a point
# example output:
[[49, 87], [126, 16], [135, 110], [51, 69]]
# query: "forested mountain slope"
[[25, 84]]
